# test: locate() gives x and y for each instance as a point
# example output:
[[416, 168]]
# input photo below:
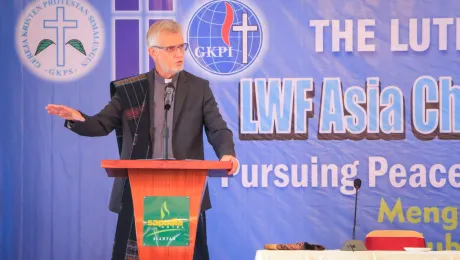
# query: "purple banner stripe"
[[126, 48], [151, 63], [160, 5], [126, 5]]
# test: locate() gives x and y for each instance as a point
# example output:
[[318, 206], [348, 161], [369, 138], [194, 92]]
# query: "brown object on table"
[[294, 246]]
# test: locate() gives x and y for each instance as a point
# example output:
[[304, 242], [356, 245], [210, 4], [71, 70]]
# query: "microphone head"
[[169, 88], [357, 183], [169, 95]]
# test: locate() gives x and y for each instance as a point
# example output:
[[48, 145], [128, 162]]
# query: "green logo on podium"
[[166, 221]]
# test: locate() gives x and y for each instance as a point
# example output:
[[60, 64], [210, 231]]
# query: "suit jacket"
[[195, 109]]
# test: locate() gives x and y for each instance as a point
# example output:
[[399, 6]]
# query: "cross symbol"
[[245, 28], [143, 13], [60, 24]]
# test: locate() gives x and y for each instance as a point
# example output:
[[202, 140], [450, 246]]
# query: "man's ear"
[[152, 52]]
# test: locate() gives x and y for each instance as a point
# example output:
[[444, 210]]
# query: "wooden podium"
[[166, 198]]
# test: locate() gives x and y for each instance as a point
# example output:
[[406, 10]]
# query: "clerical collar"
[[160, 79]]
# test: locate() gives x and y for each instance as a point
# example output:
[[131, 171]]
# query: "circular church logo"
[[60, 40], [225, 37]]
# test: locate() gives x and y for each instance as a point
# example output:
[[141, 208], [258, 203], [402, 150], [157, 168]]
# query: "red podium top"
[[118, 168]]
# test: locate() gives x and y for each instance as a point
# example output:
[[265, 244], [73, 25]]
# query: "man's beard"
[[172, 71]]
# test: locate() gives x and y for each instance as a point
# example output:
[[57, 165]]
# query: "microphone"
[[169, 98], [169, 95], [354, 245], [357, 185]]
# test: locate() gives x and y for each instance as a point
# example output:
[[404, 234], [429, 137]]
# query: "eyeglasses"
[[173, 49]]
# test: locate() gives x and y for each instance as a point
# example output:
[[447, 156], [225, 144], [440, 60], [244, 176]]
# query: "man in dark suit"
[[136, 113]]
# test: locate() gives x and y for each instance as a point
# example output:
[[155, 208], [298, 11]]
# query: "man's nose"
[[179, 53]]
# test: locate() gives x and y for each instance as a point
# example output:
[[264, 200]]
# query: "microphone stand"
[[169, 92], [356, 205], [354, 244], [165, 134]]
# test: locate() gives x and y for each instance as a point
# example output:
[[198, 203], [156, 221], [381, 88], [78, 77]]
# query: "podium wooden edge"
[[119, 168]]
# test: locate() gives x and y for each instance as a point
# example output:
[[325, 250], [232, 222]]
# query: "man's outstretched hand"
[[235, 163], [65, 112]]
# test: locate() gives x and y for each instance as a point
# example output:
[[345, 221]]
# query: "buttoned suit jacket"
[[195, 111]]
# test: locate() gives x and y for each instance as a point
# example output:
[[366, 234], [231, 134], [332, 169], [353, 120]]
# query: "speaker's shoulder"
[[194, 78]]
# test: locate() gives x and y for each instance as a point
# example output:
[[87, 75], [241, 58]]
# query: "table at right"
[[361, 255]]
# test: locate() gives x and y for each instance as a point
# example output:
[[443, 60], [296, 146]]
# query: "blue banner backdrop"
[[317, 93]]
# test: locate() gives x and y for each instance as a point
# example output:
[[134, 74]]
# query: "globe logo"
[[225, 37]]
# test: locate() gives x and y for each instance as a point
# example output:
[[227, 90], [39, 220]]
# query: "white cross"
[[60, 24], [143, 15], [245, 28]]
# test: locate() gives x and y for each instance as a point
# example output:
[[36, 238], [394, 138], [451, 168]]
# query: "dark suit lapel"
[[136, 99], [182, 90], [151, 80]]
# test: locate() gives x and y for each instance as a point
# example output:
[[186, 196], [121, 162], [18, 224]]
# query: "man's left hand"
[[235, 163]]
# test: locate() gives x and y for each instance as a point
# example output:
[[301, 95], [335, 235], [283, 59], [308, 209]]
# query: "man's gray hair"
[[160, 26]]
